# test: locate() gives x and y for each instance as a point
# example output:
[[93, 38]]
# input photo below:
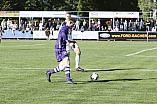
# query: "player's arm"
[[66, 38], [71, 43]]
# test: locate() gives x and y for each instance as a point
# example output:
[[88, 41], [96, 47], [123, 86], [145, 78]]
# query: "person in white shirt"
[[40, 26], [76, 48]]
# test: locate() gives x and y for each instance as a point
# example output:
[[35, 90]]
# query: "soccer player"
[[76, 48], [60, 51]]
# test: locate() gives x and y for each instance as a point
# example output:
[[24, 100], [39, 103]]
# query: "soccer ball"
[[94, 76]]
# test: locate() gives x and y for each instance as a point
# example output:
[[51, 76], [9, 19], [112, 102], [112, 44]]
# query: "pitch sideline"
[[141, 52]]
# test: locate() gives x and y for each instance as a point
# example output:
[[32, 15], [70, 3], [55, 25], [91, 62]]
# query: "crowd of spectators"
[[124, 25], [96, 25]]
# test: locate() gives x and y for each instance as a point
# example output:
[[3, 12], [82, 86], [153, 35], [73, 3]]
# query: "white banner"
[[126, 15], [101, 14], [75, 35], [85, 35]]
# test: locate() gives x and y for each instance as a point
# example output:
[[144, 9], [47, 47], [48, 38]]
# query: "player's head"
[[70, 22], [67, 15]]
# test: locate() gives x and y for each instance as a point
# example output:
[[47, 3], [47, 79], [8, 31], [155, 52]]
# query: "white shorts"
[[68, 47]]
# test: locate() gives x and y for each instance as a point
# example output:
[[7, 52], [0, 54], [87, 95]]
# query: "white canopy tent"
[[42, 14], [98, 14]]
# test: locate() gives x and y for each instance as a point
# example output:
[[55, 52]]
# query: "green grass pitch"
[[122, 79]]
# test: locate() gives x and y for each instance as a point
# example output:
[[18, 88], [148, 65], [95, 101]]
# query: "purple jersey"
[[60, 48], [62, 36]]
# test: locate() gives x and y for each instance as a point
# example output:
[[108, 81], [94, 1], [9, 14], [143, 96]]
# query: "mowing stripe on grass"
[[23, 45], [85, 69], [141, 51]]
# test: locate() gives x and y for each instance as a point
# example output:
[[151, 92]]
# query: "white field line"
[[141, 51], [85, 69], [23, 45]]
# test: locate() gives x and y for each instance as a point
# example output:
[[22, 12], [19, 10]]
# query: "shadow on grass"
[[97, 70], [100, 81]]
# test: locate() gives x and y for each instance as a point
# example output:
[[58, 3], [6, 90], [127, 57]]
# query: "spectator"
[[125, 25], [88, 29], [117, 24], [153, 29], [147, 25], [156, 24], [109, 29], [121, 26], [130, 26], [8, 24], [137, 25], [96, 26], [27, 28], [58, 24], [35, 25], [151, 24], [40, 26], [11, 25], [99, 24], [77, 25], [25, 25], [105, 26], [47, 33], [82, 29], [14, 28], [21, 24], [44, 22], [3, 24], [134, 27], [84, 24], [29, 24], [102, 28], [54, 24], [93, 25], [111, 24], [74, 28], [141, 25], [116, 28], [50, 23]]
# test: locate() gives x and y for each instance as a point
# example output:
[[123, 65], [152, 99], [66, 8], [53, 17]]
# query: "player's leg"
[[66, 66], [59, 58], [55, 70], [77, 57]]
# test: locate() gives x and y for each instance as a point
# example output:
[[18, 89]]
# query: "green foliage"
[[5, 5], [69, 5], [146, 6], [107, 5]]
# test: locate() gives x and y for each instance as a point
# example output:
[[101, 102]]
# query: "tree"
[[146, 6], [68, 5], [12, 5], [108, 5], [87, 5]]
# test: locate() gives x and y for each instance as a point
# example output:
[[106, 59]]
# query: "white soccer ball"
[[94, 76]]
